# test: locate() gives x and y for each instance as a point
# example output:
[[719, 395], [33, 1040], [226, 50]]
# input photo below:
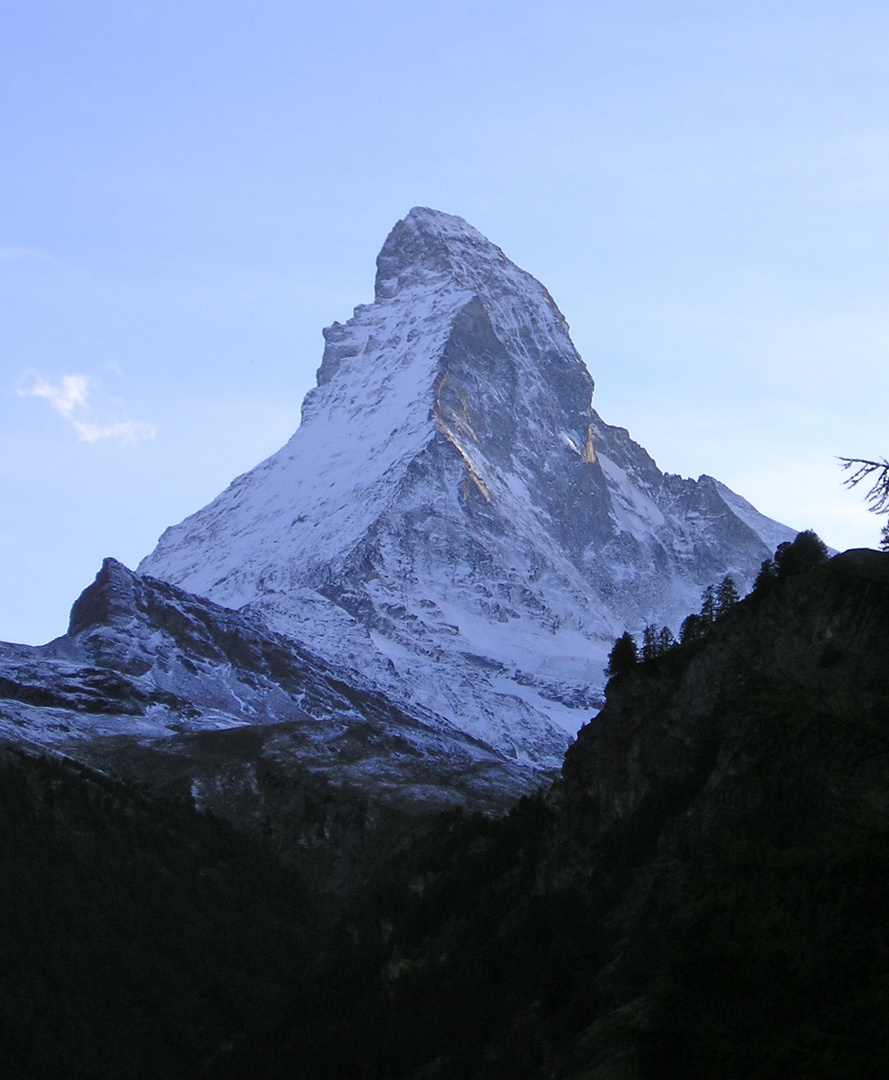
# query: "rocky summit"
[[453, 526]]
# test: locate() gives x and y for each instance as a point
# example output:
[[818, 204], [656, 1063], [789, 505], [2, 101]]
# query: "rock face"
[[452, 524]]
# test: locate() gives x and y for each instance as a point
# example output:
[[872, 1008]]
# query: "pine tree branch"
[[864, 469]]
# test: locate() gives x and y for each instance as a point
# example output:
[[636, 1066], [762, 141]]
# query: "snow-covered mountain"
[[452, 524]]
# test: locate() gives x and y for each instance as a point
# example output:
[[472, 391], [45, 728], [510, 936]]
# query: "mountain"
[[452, 526]]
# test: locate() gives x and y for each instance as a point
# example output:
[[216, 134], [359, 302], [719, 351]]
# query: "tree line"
[[791, 557]]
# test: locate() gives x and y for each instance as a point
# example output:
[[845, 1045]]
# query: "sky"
[[191, 190]]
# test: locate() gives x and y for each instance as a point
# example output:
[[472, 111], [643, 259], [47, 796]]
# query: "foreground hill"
[[137, 938], [703, 894]]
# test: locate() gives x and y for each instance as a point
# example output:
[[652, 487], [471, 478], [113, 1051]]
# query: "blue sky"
[[192, 190]]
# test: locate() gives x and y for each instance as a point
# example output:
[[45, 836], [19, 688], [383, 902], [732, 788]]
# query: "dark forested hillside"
[[137, 938], [704, 893]]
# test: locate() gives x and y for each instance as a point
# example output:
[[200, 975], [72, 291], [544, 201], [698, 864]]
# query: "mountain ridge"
[[197, 702]]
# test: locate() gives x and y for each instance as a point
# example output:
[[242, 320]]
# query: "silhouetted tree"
[[655, 642], [807, 549], [693, 628], [766, 578], [727, 595], [709, 605], [623, 656], [878, 472]]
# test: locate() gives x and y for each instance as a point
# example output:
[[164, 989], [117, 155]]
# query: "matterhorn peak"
[[428, 243], [452, 524], [431, 242], [438, 280]]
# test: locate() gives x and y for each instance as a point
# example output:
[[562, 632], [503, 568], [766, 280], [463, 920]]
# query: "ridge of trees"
[[791, 557]]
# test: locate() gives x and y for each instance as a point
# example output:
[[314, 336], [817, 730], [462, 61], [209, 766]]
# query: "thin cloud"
[[126, 432], [73, 398]]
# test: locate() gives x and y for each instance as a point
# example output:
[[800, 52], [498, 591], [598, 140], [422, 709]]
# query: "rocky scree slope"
[[702, 894], [452, 524]]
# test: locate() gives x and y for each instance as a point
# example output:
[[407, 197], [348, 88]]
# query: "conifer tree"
[[693, 628], [766, 578], [650, 642], [805, 550], [727, 595], [709, 609], [624, 656]]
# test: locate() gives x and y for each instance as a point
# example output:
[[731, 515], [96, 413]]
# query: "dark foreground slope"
[[137, 937], [704, 894]]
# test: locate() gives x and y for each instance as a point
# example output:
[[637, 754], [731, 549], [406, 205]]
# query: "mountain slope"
[[452, 523], [138, 937]]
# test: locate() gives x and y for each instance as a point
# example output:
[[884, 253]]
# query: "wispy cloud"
[[72, 391], [77, 399], [126, 432]]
